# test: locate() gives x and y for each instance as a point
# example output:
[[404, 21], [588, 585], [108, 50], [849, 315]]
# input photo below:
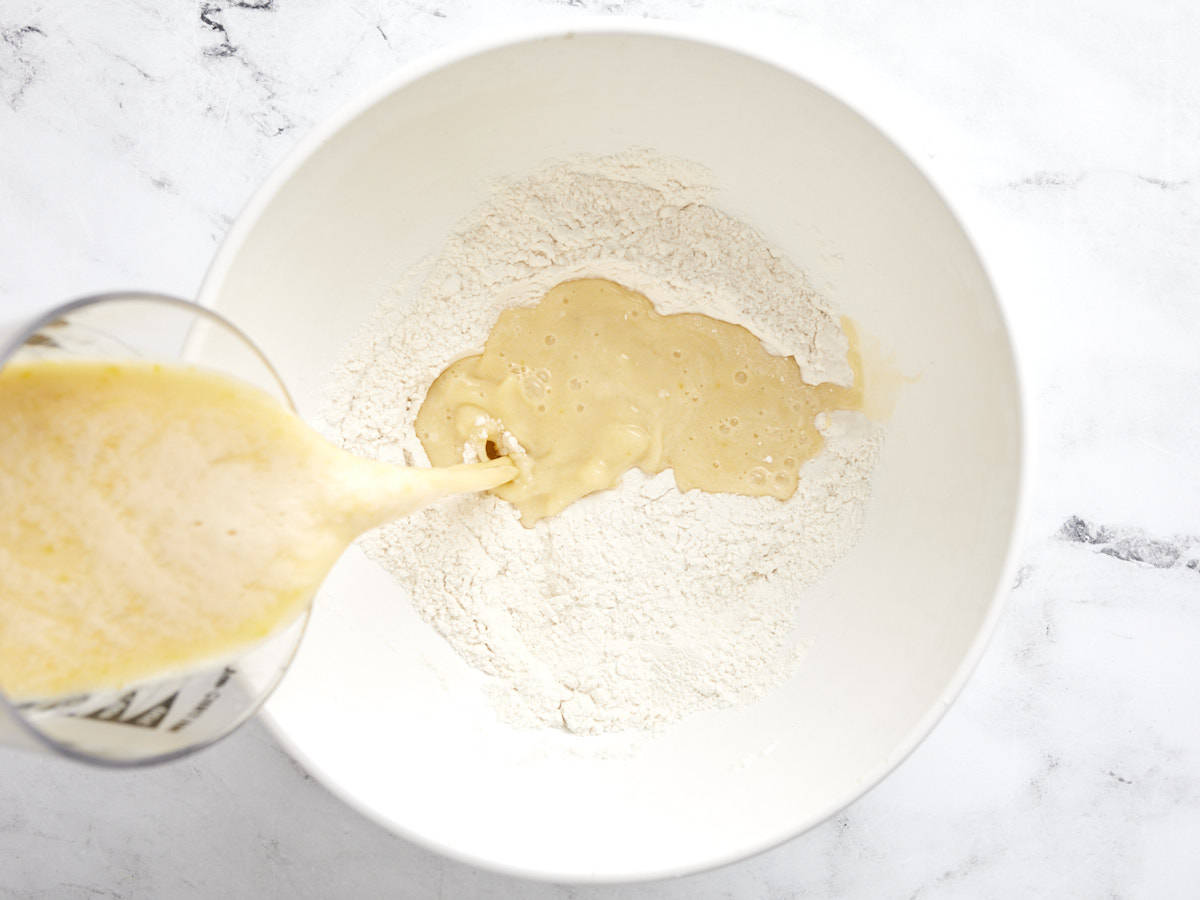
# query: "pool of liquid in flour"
[[592, 382]]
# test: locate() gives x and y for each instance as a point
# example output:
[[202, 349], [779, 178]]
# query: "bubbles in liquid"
[[698, 406], [534, 385]]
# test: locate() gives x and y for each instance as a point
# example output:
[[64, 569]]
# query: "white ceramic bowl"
[[380, 709]]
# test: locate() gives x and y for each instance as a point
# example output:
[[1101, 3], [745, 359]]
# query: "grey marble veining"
[[1134, 545], [132, 133]]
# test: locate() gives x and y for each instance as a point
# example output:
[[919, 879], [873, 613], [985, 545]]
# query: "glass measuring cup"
[[169, 716]]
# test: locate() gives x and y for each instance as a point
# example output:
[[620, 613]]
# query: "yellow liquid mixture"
[[592, 382], [157, 517]]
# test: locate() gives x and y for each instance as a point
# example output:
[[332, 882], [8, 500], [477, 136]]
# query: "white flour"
[[633, 607]]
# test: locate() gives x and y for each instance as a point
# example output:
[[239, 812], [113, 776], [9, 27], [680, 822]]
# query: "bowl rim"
[[820, 70]]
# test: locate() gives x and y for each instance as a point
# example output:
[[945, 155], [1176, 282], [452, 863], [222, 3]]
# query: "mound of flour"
[[637, 606]]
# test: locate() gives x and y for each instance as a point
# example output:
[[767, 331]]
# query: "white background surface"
[[1068, 134]]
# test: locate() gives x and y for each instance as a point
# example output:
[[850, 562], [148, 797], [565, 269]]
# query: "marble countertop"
[[1067, 134]]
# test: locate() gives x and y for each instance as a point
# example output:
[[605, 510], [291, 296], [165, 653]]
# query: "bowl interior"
[[378, 705]]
